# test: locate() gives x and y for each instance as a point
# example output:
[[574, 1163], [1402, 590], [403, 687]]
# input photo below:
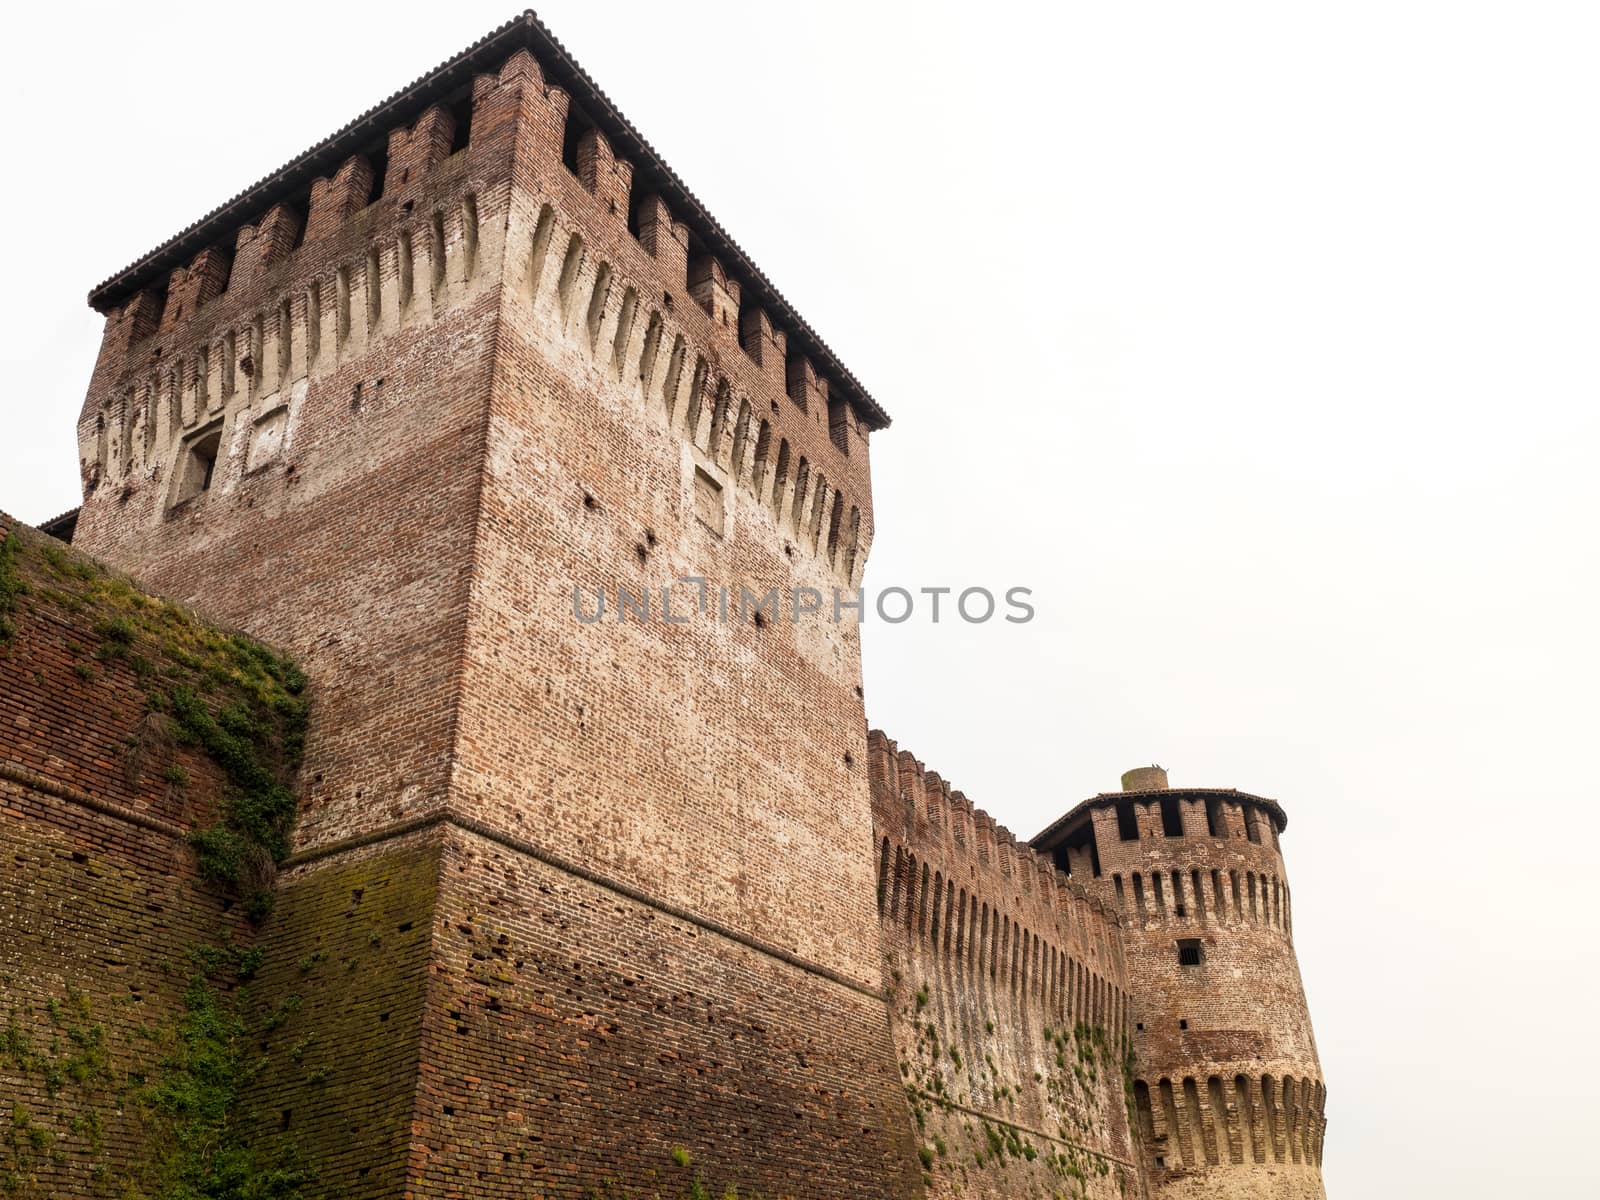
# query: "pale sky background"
[[1259, 340]]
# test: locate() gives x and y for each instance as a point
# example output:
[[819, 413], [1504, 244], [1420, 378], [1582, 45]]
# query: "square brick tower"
[[390, 408]]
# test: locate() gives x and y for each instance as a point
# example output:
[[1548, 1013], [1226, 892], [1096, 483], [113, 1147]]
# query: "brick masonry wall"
[[718, 765], [102, 913], [575, 1038], [97, 917], [1008, 998], [349, 947], [100, 904], [73, 713], [731, 1009]]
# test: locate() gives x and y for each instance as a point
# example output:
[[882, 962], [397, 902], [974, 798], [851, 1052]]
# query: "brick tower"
[[1227, 1088], [390, 408]]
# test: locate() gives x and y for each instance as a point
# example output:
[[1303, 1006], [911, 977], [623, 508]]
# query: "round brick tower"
[[1226, 1081]]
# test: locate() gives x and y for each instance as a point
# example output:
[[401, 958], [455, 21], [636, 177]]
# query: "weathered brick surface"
[[1007, 995], [575, 1037], [76, 716], [100, 905], [350, 941], [97, 917], [597, 428], [102, 912], [350, 544]]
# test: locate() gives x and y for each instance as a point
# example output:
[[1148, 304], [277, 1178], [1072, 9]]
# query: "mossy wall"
[[1007, 1102], [345, 953], [145, 768], [97, 918], [1007, 998]]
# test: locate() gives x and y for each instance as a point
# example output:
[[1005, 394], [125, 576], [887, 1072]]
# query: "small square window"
[[1189, 952], [1183, 1023]]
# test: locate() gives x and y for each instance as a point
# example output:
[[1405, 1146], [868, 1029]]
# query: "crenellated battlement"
[[956, 878], [384, 242], [1183, 858], [234, 362], [1007, 990], [636, 296]]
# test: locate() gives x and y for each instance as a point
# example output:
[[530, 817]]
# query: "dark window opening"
[[378, 156], [1127, 822], [1214, 826], [461, 110], [578, 124], [301, 207], [1183, 1024], [1252, 825], [1069, 854], [199, 464], [749, 330], [1171, 817], [62, 527], [795, 382], [1189, 952]]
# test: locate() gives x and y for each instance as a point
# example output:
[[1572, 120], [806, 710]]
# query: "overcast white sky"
[[1259, 340]]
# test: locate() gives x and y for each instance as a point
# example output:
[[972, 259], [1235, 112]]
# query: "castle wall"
[[1008, 997], [717, 764], [97, 917], [1228, 1088], [349, 945]]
